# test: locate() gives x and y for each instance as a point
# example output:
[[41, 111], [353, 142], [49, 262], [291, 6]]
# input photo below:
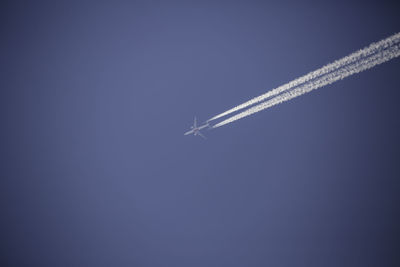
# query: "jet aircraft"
[[196, 130]]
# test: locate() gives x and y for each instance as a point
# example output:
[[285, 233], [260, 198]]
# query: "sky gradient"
[[95, 170]]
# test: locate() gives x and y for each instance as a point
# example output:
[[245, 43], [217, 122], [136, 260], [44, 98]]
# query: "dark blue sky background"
[[95, 170]]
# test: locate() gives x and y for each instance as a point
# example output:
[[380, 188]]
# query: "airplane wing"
[[199, 133], [195, 122]]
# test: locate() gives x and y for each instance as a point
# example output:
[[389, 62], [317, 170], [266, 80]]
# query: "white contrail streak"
[[330, 78], [354, 57]]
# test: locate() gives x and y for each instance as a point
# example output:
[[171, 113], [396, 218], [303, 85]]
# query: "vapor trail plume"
[[354, 57], [330, 78]]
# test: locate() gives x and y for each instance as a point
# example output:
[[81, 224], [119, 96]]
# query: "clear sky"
[[95, 170]]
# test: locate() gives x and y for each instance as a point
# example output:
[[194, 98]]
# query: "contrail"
[[354, 57], [330, 78]]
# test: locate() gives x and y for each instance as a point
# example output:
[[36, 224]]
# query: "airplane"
[[196, 130]]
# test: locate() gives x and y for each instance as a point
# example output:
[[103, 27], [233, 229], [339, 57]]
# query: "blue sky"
[[95, 168]]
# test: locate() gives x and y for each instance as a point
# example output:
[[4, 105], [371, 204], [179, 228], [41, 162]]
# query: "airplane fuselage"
[[196, 130]]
